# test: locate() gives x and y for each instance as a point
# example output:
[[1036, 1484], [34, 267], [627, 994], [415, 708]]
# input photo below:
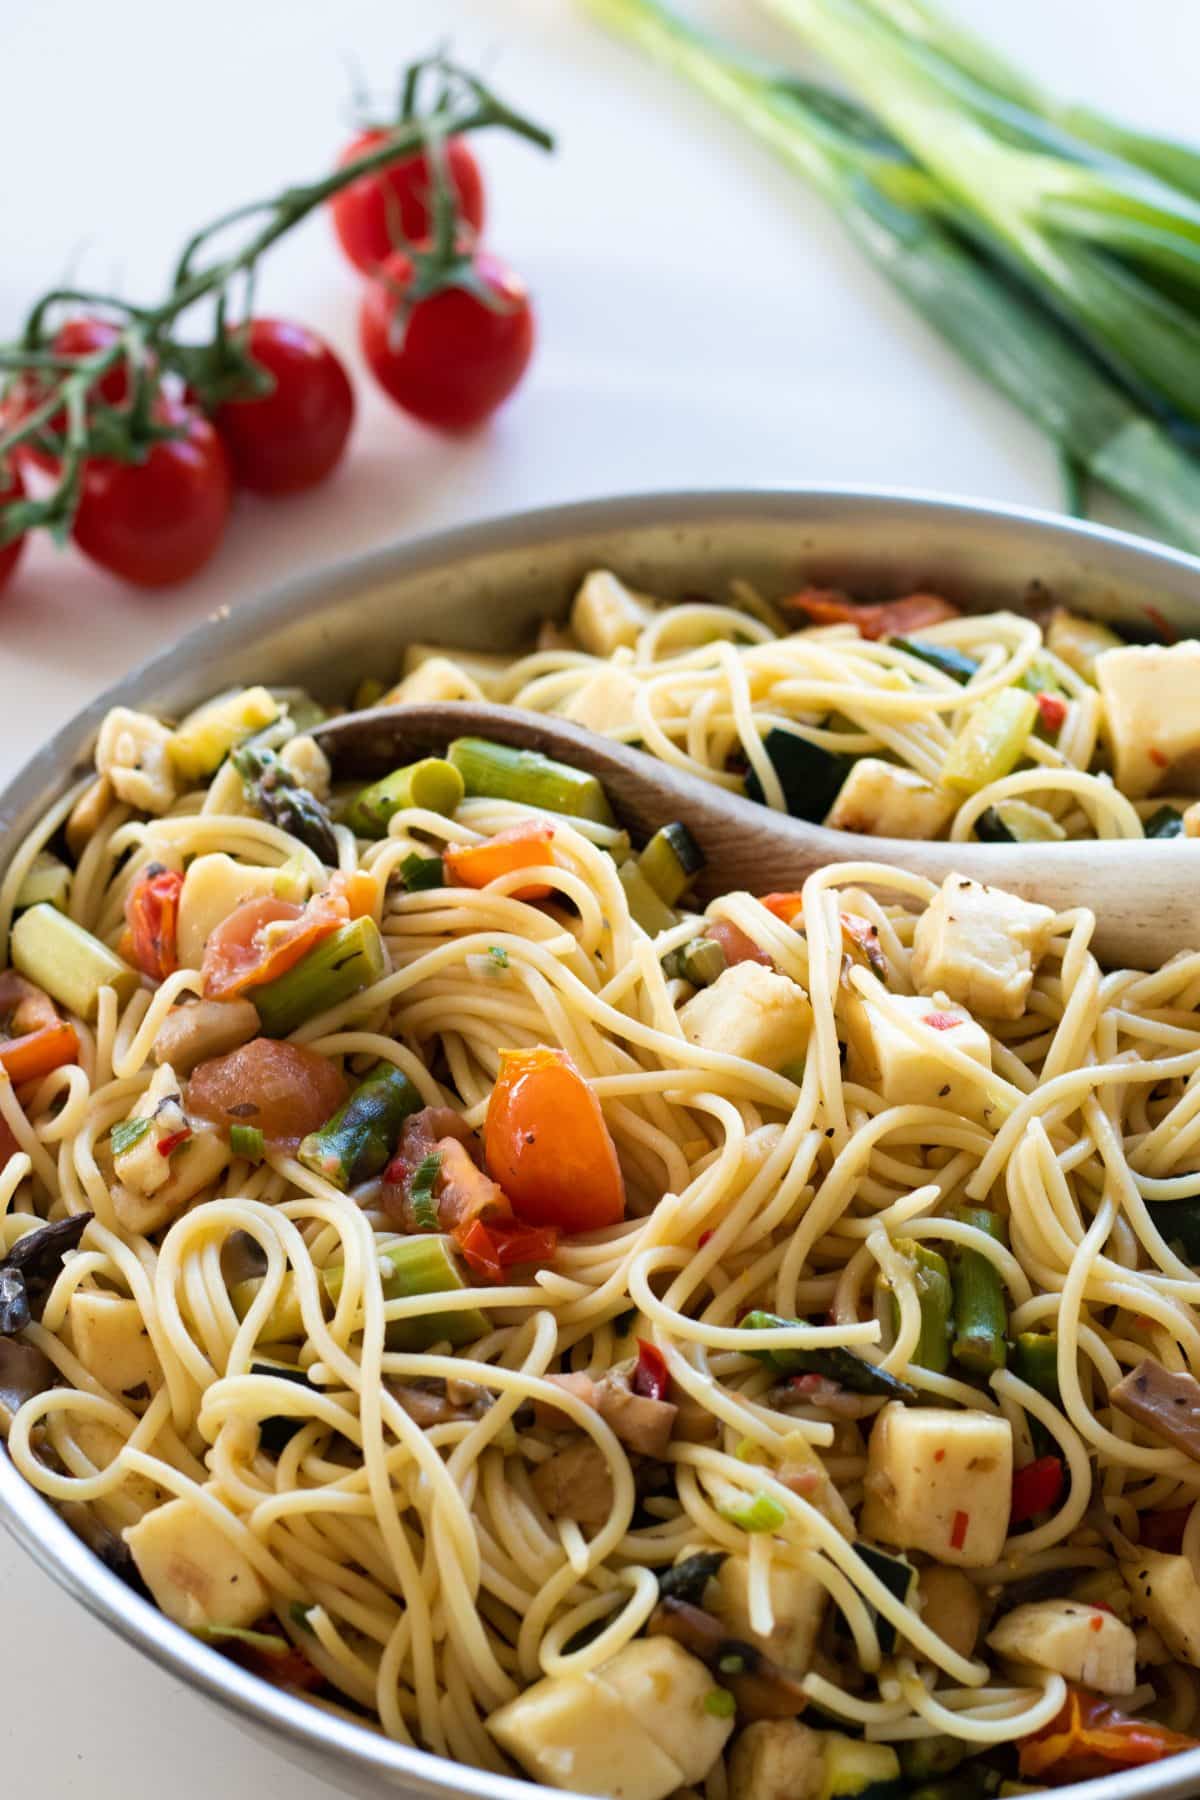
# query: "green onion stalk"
[[1020, 279]]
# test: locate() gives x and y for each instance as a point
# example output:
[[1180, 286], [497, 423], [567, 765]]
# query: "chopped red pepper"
[[651, 1378], [152, 913], [942, 1021], [1052, 710], [172, 1141], [1164, 1530], [491, 1249], [703, 1238], [737, 947], [786, 907], [1036, 1488], [1090, 1737], [958, 1530]]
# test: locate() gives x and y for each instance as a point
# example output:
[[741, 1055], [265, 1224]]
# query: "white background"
[[703, 322]]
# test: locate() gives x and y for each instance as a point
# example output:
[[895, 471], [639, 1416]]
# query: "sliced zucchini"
[[939, 656], [670, 861], [899, 1577], [1165, 822], [1016, 822], [809, 776]]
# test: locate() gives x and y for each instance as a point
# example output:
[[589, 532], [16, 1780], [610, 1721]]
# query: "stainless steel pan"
[[486, 586]]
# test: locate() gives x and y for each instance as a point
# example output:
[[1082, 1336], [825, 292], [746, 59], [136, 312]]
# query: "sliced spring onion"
[[129, 1132], [419, 873], [237, 1634], [247, 1141], [762, 1513], [420, 1192], [719, 1703]]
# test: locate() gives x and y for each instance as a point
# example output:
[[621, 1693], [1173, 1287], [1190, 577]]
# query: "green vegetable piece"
[[129, 1132], [368, 693], [1178, 1222], [298, 1613], [939, 656], [932, 1279], [720, 1703], [498, 772], [670, 861], [421, 1197], [279, 798], [247, 1141], [810, 776], [349, 959], [498, 955], [923, 1757], [1016, 822], [432, 784], [899, 1577], [359, 1139], [237, 1634], [980, 1307], [202, 742], [646, 907], [276, 1432], [284, 1323], [700, 961], [1164, 822], [794, 1071], [991, 742], [71, 965], [762, 1513], [856, 1770], [420, 1265], [419, 873], [687, 1580], [47, 881], [1035, 1361], [835, 1363]]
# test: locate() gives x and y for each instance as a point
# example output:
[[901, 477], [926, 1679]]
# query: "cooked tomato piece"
[[287, 1090], [737, 946], [528, 846], [263, 938], [1090, 1737], [152, 913], [871, 619], [489, 1250], [39, 1040], [548, 1146], [787, 907]]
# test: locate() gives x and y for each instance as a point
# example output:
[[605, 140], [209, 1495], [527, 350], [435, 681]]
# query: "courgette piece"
[[899, 1577], [1016, 822], [830, 1360], [276, 1433], [671, 861], [811, 777], [992, 741], [856, 1770], [1164, 822], [939, 656], [922, 1758], [687, 1580], [66, 961], [647, 908], [202, 742], [47, 881], [1177, 1222]]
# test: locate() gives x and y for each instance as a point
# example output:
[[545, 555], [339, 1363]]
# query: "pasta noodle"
[[420, 1525]]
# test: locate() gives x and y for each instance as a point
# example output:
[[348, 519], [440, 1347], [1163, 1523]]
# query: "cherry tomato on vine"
[[378, 212], [75, 338], [157, 521], [291, 438], [11, 488], [450, 358]]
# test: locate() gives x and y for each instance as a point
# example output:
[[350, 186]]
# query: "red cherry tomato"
[[378, 213], [451, 359], [75, 338], [159, 520], [11, 488], [291, 438], [548, 1145]]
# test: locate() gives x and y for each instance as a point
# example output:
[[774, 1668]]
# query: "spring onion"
[[420, 873], [129, 1132], [762, 1513], [247, 1141], [421, 1191]]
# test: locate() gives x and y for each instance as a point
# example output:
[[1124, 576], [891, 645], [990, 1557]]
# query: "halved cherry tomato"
[[287, 1090], [491, 1249], [293, 437], [1090, 1737], [358, 889], [449, 358], [382, 211], [152, 912], [11, 488], [548, 1146], [737, 946], [871, 619], [528, 846], [263, 938]]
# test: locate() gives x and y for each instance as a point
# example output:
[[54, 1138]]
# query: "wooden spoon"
[[1146, 896]]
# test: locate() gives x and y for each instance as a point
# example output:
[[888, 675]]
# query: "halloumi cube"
[[665, 1691], [888, 800], [797, 1602], [438, 678], [981, 946], [1151, 708], [1084, 1643], [606, 615], [604, 703], [1166, 1594], [939, 1481], [776, 1759], [197, 1575], [110, 1339], [909, 1071], [750, 1012], [572, 1732]]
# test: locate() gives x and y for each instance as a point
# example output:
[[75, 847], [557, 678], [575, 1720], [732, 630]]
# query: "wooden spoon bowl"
[[1146, 896]]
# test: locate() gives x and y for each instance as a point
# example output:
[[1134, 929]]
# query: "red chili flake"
[[942, 1021], [958, 1530], [704, 1239], [1157, 757], [1052, 710], [1095, 1624], [172, 1142], [940, 1456], [1161, 624]]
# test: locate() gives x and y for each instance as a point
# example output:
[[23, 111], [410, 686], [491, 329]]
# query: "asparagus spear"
[[432, 783], [836, 1364], [357, 1142], [980, 1311], [700, 962], [349, 959], [499, 772], [932, 1279], [281, 799], [424, 1264], [68, 962]]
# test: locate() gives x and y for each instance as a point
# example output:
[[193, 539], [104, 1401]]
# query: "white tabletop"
[[703, 322]]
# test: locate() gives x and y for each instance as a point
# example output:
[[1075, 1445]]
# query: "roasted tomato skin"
[[287, 1090], [547, 1144]]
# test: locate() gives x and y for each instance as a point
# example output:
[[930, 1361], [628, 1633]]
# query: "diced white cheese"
[[573, 1732], [213, 886], [797, 1602], [110, 1339], [1153, 719], [604, 703], [436, 679], [881, 1053], [134, 751], [887, 800], [776, 1759], [197, 1575], [939, 1481], [307, 763], [606, 615], [1166, 1594], [481, 667], [981, 946], [1084, 1643], [664, 1690], [142, 1168], [750, 1012]]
